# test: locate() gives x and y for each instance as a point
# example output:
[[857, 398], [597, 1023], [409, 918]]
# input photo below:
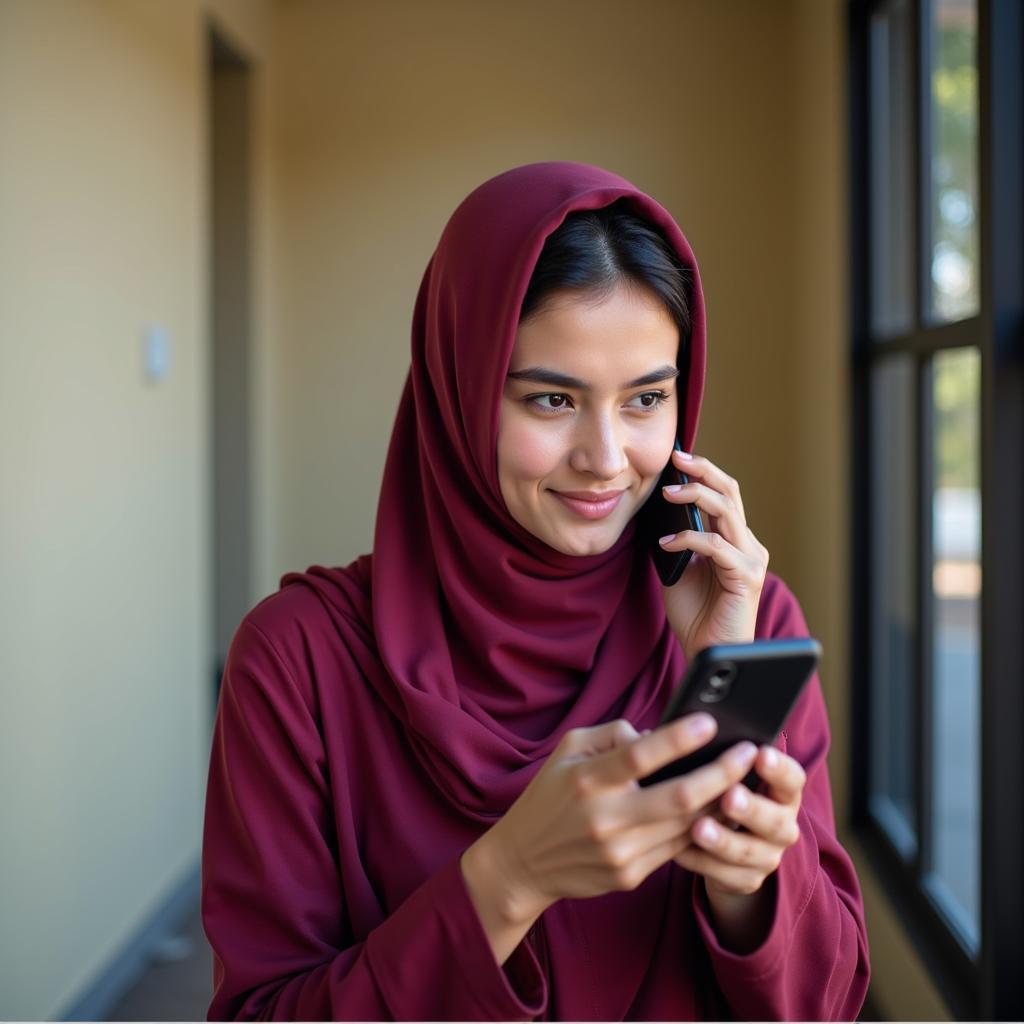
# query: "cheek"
[[526, 452], [650, 457]]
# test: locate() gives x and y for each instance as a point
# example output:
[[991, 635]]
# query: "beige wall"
[[373, 121], [395, 111], [104, 533]]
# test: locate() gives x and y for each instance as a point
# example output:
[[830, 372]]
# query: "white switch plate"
[[157, 352]]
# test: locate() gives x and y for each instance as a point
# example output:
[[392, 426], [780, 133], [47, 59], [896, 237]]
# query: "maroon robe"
[[375, 719]]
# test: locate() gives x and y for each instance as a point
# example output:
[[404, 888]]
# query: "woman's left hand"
[[736, 863], [715, 600]]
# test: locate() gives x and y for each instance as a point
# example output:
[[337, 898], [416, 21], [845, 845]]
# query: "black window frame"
[[992, 986]]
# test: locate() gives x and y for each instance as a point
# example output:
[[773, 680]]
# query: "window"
[[937, 230]]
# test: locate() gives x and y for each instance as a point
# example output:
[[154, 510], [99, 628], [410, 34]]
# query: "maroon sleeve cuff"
[[795, 879], [433, 961]]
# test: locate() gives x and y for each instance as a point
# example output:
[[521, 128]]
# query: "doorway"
[[230, 320]]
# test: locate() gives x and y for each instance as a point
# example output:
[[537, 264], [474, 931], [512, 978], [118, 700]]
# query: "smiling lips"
[[590, 504]]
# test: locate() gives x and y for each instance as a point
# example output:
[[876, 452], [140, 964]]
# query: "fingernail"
[[744, 752], [701, 724], [673, 488], [666, 538], [684, 455], [771, 757], [709, 832], [740, 801]]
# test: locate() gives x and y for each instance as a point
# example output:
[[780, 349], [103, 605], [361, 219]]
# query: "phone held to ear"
[[749, 689], [660, 517]]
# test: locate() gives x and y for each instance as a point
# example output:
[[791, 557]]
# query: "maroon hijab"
[[492, 643]]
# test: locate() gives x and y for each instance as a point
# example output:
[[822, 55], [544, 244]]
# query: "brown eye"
[[558, 402], [652, 399]]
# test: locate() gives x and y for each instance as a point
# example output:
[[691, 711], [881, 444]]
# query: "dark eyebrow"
[[542, 375]]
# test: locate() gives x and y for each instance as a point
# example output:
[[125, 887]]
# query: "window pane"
[[891, 97], [953, 244], [893, 595], [956, 592]]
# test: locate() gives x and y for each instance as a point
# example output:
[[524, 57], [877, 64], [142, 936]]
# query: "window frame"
[[992, 986]]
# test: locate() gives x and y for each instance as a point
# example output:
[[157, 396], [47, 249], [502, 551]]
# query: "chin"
[[595, 544]]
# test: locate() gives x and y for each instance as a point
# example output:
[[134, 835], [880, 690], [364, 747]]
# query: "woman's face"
[[575, 419]]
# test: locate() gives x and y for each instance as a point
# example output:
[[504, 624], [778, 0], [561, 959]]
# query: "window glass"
[[955, 611], [892, 139], [953, 214], [893, 596]]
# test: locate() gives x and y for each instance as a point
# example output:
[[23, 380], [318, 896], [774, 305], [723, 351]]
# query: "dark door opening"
[[230, 367]]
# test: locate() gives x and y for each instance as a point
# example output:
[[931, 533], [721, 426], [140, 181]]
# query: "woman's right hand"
[[584, 826]]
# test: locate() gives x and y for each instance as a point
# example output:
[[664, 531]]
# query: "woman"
[[423, 798]]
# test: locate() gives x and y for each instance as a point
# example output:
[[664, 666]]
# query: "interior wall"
[[391, 113], [104, 531], [821, 381]]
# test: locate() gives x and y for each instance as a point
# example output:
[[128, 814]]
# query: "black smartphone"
[[660, 517], [749, 689]]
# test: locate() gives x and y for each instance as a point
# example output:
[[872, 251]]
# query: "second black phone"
[[749, 689]]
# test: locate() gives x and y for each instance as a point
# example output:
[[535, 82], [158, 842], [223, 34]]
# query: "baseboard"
[[103, 994]]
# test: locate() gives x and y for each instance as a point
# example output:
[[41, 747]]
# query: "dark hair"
[[593, 250]]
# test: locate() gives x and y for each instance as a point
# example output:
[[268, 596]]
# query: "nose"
[[598, 450]]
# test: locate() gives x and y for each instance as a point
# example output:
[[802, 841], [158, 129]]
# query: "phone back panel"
[[660, 517], [768, 677]]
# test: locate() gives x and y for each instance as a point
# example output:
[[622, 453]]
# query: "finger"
[[783, 776], [719, 550], [739, 848], [633, 841], [722, 509], [709, 473], [739, 879], [597, 739], [747, 568], [690, 794], [762, 816], [630, 875], [647, 754]]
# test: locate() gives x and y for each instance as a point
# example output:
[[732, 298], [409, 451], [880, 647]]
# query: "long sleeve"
[[273, 903], [813, 964]]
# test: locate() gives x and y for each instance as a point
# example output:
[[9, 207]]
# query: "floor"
[[178, 982]]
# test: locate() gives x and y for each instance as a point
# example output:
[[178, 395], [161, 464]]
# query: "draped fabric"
[[492, 644]]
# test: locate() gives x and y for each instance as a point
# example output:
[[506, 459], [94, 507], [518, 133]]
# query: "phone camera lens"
[[717, 686]]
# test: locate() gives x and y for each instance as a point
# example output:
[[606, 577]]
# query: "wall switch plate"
[[156, 352]]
